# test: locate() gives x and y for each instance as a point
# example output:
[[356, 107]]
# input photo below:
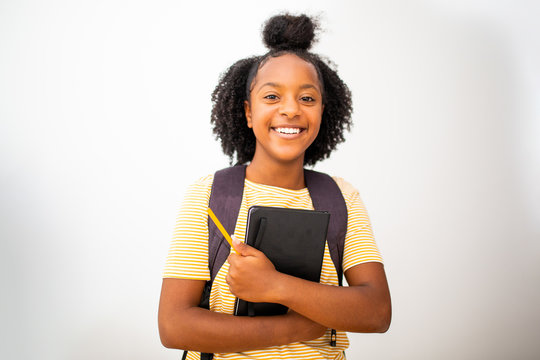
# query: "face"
[[285, 109]]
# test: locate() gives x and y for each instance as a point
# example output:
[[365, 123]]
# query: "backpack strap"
[[225, 201], [226, 198], [326, 196]]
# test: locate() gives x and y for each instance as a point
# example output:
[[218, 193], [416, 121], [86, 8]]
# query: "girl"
[[278, 112]]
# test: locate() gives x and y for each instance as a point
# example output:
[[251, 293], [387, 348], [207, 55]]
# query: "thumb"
[[242, 248]]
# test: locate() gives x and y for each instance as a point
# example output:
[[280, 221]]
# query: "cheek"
[[316, 133], [316, 121], [257, 126], [260, 118]]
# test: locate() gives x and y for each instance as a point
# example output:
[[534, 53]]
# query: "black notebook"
[[293, 240]]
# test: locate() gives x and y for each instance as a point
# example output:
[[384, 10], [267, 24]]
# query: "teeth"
[[288, 130]]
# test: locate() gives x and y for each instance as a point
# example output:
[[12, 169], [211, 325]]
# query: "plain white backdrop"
[[104, 121]]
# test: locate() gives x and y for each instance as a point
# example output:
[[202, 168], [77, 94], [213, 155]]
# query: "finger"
[[243, 249], [232, 258]]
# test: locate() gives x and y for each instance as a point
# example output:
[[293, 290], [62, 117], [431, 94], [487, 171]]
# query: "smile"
[[288, 130]]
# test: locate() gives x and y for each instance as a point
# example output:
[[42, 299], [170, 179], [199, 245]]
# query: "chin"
[[290, 158]]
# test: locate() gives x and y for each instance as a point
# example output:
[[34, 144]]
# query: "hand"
[[304, 328], [252, 276]]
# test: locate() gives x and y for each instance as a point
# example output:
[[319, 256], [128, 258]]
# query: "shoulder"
[[203, 182], [200, 189], [347, 189], [351, 196]]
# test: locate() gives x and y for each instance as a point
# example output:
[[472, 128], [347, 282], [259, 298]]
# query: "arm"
[[363, 306], [184, 325]]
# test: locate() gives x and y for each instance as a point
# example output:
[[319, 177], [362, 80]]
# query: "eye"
[[271, 97], [307, 98]]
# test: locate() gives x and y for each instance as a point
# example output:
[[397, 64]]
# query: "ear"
[[247, 110]]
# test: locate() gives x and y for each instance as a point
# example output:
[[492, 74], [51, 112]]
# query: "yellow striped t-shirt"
[[188, 256]]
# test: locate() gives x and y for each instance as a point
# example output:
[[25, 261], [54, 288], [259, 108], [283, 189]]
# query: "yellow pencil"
[[219, 226]]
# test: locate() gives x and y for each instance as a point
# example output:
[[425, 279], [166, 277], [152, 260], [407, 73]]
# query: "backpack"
[[225, 201]]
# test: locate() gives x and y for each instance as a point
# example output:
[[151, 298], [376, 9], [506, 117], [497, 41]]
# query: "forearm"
[[364, 306], [206, 331], [360, 308]]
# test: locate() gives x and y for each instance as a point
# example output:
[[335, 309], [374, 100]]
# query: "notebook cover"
[[293, 240]]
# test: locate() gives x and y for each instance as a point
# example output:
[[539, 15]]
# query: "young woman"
[[278, 112]]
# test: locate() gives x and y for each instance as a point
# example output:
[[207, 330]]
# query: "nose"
[[289, 107]]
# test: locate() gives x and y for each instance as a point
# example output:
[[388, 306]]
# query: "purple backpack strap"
[[326, 196], [225, 201], [226, 198]]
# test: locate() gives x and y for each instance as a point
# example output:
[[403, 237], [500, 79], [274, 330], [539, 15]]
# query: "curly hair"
[[282, 34]]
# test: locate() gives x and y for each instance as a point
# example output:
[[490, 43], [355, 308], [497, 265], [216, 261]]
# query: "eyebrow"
[[309, 86], [272, 84], [276, 85]]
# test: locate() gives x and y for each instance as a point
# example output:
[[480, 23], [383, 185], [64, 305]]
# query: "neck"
[[289, 175]]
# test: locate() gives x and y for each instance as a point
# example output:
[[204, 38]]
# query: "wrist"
[[280, 288]]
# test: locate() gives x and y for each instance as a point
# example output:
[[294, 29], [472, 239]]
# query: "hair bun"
[[287, 32]]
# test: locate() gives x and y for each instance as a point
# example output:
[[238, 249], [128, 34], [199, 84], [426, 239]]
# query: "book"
[[293, 240]]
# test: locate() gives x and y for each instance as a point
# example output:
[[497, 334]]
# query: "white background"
[[104, 121]]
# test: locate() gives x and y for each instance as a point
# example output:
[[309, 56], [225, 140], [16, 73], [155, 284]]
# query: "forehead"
[[287, 69]]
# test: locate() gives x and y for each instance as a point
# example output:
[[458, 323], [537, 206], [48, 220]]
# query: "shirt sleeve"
[[188, 252], [360, 246]]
